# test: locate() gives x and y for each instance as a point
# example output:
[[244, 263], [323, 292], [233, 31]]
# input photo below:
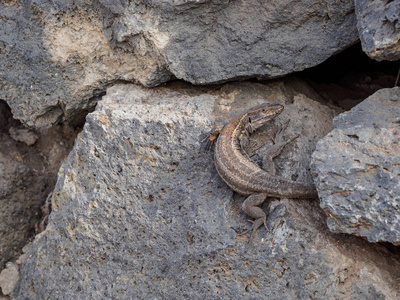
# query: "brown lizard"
[[241, 174]]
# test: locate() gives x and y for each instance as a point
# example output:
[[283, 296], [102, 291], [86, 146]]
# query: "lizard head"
[[261, 114]]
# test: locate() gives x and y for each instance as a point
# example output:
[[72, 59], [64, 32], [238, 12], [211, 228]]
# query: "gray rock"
[[213, 41], [357, 169], [56, 60], [378, 24], [58, 57], [9, 278], [139, 210]]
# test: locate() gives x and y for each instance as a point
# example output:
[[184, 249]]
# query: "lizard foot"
[[256, 224], [276, 149]]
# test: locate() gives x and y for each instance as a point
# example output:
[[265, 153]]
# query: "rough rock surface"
[[139, 210], [357, 169], [57, 57], [27, 176], [378, 24]]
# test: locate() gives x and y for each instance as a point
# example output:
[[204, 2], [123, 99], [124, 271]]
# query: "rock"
[[356, 169], [9, 278], [23, 135], [139, 209], [217, 41], [18, 201], [22, 257], [27, 175], [378, 24], [58, 57]]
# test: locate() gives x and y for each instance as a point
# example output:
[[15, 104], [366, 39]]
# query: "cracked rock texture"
[[139, 210], [378, 25], [357, 169], [58, 57]]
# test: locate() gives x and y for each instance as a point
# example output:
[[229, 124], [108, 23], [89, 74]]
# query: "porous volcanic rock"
[[140, 211], [58, 57], [378, 24], [357, 169]]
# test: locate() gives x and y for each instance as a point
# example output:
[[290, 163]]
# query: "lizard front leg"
[[273, 151], [247, 146], [251, 208]]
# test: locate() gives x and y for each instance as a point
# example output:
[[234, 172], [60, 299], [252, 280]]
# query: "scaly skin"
[[243, 175]]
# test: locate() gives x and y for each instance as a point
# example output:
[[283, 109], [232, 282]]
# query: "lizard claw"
[[211, 137], [210, 141], [256, 224], [247, 230]]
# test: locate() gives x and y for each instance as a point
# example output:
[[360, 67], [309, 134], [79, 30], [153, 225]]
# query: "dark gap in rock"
[[393, 249], [335, 68], [6, 118], [29, 162], [351, 76], [353, 136], [78, 120]]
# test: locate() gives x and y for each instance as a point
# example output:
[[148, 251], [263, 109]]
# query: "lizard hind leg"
[[250, 207]]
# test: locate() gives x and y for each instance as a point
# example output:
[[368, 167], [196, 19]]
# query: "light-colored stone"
[[23, 135], [21, 259], [9, 278], [357, 169]]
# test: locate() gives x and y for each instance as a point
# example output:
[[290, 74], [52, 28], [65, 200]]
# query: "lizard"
[[240, 173]]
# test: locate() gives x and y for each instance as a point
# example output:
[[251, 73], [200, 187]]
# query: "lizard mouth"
[[275, 108]]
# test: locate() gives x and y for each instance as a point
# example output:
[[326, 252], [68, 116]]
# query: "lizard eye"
[[264, 110]]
